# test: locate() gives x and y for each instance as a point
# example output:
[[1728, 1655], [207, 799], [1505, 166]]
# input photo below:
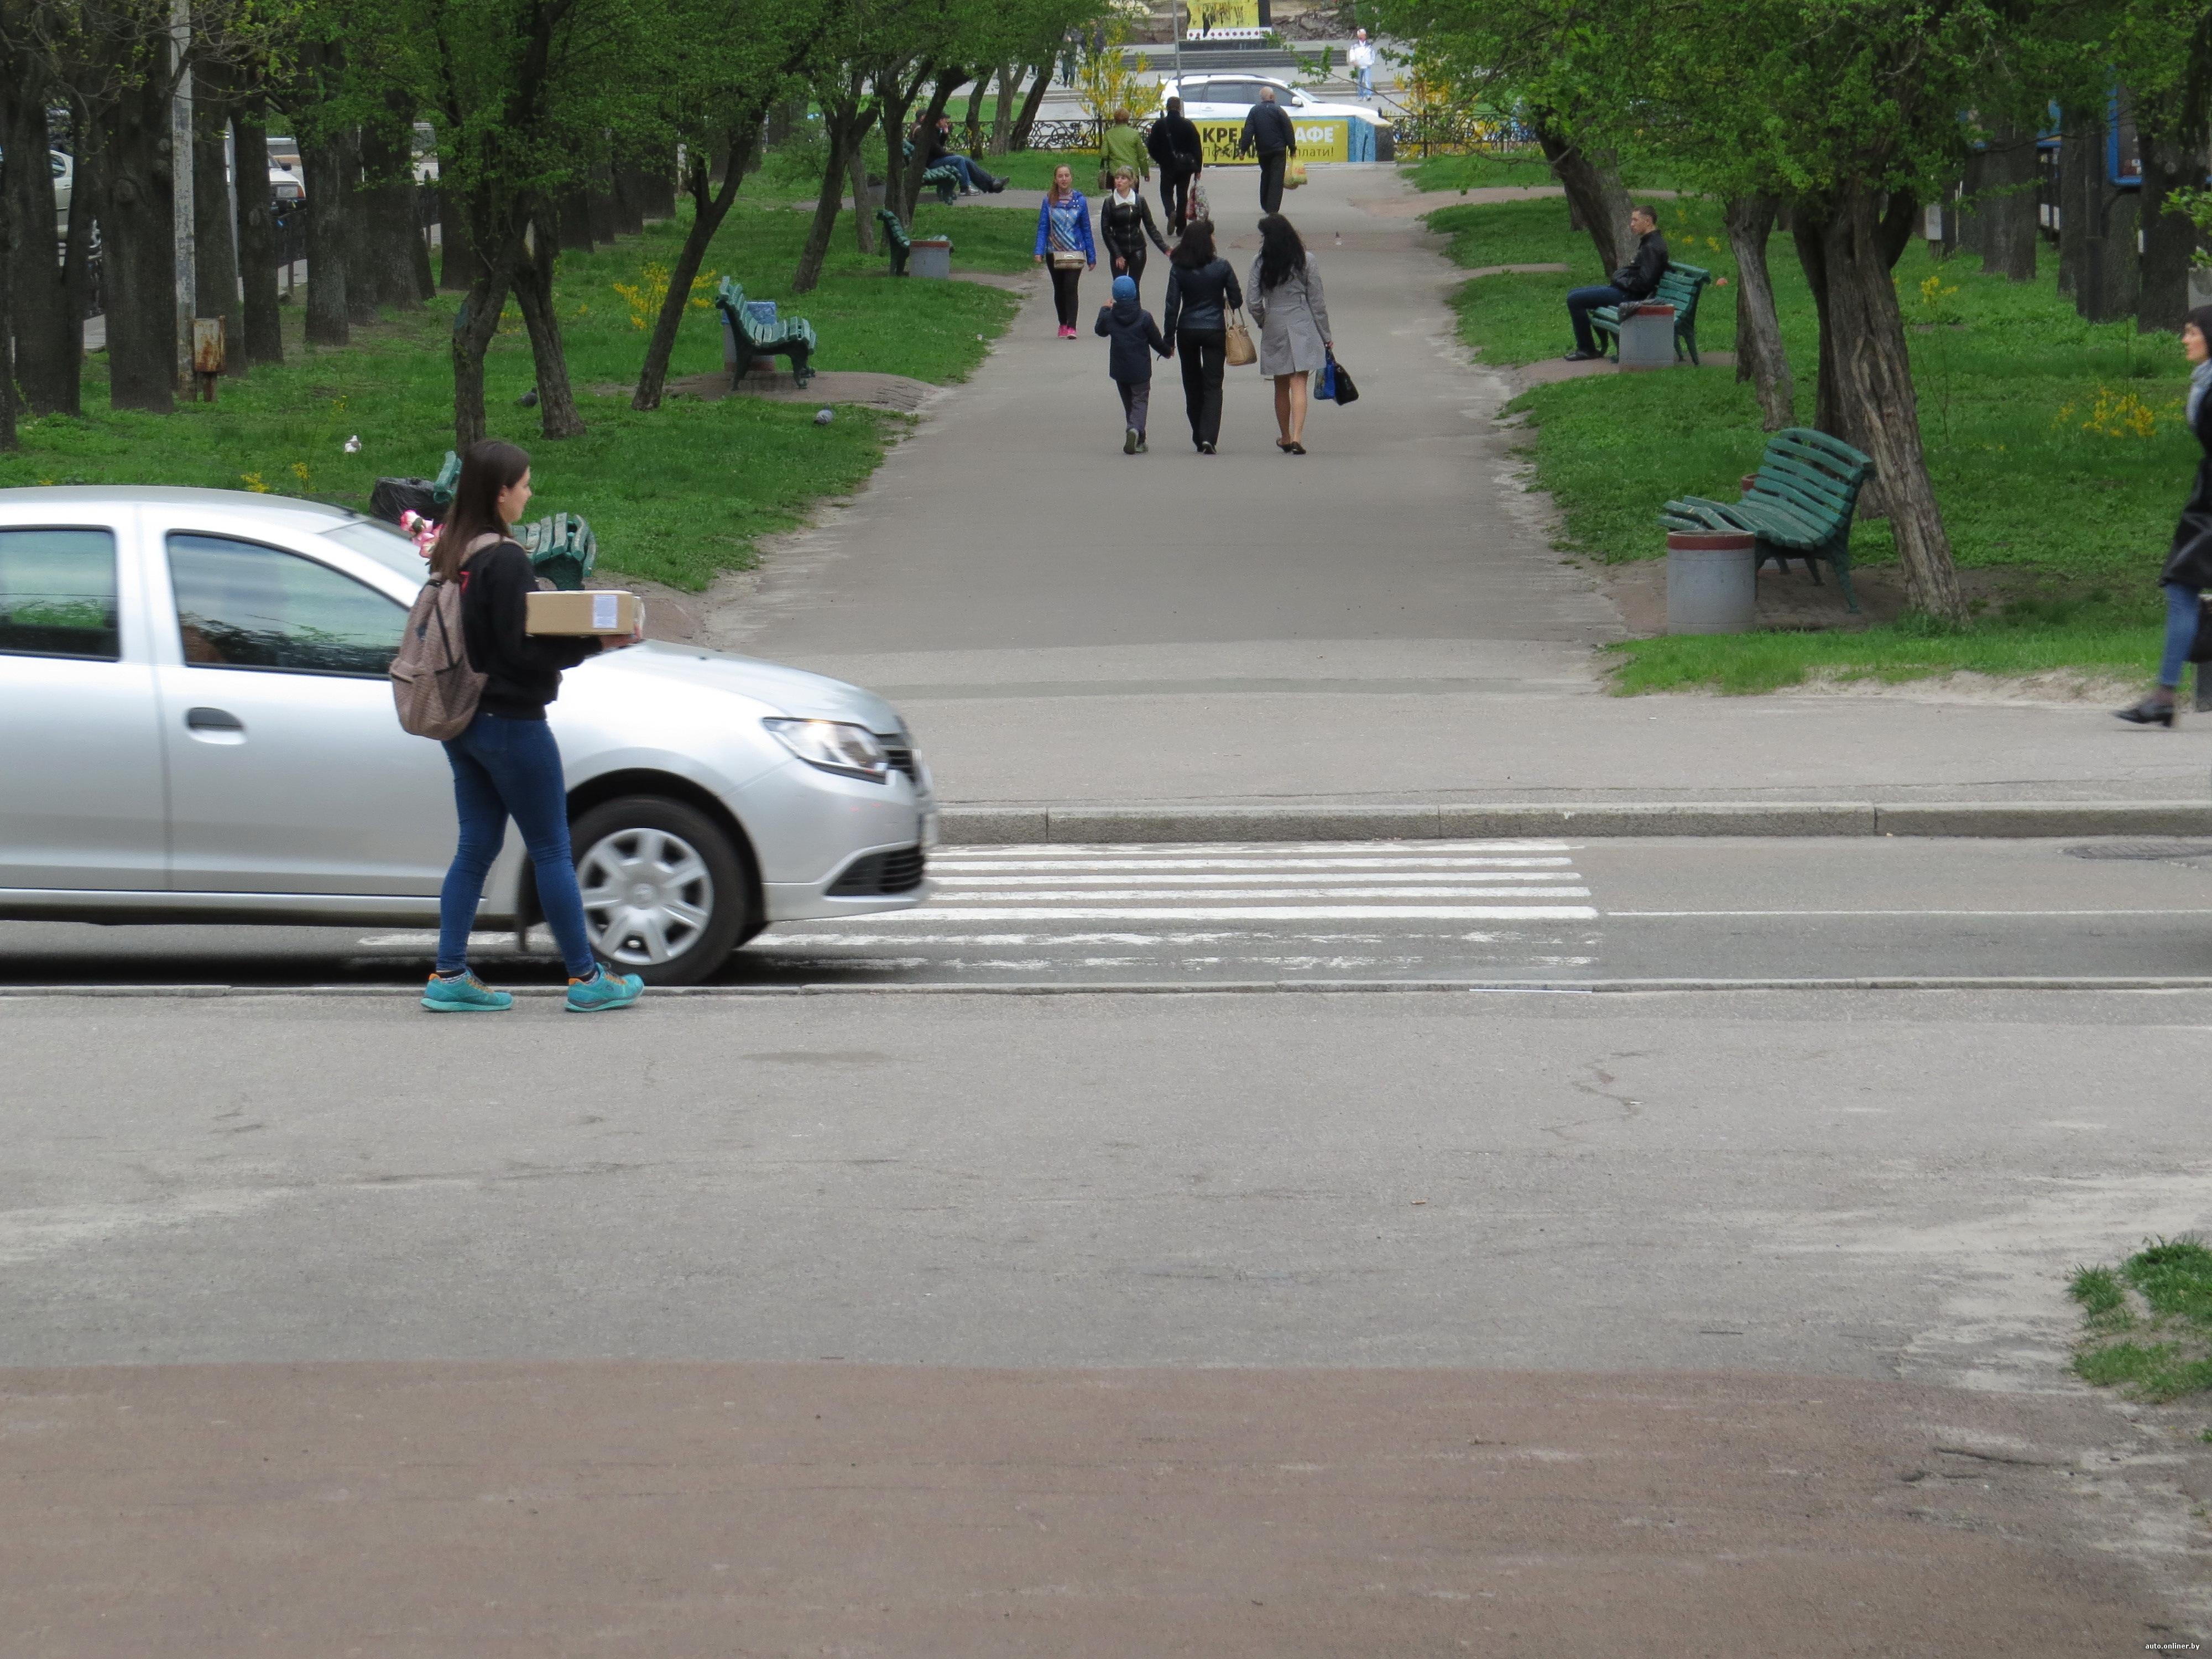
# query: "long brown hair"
[[488, 470]]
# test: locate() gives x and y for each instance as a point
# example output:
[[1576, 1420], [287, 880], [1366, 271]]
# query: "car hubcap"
[[647, 895]]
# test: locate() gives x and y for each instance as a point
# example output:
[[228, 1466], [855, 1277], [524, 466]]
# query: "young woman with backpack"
[[506, 762]]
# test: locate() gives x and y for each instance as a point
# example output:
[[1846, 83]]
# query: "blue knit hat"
[[1125, 288]]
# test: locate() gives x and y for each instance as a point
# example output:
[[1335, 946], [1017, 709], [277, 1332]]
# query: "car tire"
[[668, 873]]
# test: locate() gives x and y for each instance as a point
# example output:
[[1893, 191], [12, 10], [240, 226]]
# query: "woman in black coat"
[[1125, 219], [2188, 570], [1201, 292]]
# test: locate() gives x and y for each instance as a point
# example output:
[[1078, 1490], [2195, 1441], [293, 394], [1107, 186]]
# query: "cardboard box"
[[595, 610]]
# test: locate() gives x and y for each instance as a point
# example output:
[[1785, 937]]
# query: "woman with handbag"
[[1125, 219], [1201, 292], [1293, 318], [2188, 570], [1063, 237]]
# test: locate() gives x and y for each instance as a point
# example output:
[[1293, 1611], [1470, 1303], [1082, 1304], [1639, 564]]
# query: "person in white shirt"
[[1361, 59]]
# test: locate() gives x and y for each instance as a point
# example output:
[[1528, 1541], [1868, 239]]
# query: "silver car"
[[196, 726]]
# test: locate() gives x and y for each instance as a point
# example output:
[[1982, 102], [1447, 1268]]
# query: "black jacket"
[[1198, 301], [1268, 129], [522, 670], [1639, 278], [1123, 229], [1173, 143], [1135, 337], [2189, 561]]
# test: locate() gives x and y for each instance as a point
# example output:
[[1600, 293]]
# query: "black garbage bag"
[[393, 496]]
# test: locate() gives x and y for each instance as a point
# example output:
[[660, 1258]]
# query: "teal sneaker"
[[463, 994], [603, 991]]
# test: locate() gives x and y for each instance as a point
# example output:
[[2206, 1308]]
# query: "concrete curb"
[[977, 826], [405, 993]]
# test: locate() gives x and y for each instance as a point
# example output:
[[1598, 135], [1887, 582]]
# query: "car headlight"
[[850, 751]]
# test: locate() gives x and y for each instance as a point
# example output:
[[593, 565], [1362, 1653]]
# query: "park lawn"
[[2056, 446], [1486, 168], [675, 496]]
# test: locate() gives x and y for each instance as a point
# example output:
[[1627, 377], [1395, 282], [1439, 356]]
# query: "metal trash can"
[[1712, 585], [932, 257], [1647, 335]]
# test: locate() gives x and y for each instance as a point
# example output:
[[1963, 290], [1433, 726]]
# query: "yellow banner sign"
[[1209, 16], [1326, 140]]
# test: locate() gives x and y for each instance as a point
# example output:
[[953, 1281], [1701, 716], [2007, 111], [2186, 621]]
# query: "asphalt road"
[[1559, 911]]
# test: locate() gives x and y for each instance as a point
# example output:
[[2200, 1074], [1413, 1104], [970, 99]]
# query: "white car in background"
[[196, 724], [1229, 95]]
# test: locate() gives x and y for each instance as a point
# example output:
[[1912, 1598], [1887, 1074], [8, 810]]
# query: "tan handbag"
[[1241, 349]]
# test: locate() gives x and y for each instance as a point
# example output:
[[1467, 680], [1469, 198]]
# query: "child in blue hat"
[[1136, 336]]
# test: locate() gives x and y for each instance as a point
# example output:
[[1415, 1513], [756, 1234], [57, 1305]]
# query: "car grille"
[[901, 758], [898, 871]]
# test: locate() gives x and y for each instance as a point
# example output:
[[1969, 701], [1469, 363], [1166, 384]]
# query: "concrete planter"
[[1647, 336], [932, 257], [1711, 583]]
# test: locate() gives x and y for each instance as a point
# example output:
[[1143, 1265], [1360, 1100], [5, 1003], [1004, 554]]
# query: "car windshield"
[[386, 545]]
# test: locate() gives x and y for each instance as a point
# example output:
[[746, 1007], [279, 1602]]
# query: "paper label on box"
[[604, 606]]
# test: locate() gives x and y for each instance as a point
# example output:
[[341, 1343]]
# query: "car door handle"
[[212, 719]]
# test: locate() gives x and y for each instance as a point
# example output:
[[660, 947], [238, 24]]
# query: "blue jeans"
[[1367, 80], [503, 769], [1581, 302], [2181, 609], [970, 175]]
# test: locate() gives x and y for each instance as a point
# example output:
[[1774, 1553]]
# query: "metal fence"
[[1438, 131], [1057, 135]]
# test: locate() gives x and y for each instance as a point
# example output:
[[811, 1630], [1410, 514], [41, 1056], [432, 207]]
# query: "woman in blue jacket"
[[1063, 241]]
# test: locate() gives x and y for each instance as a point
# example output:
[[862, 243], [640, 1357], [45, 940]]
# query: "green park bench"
[[946, 180], [561, 547], [896, 238], [1678, 287], [789, 337], [1798, 505]]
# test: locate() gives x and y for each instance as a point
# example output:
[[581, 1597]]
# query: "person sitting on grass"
[[1637, 280], [939, 153]]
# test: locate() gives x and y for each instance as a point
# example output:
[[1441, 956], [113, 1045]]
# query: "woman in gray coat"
[[1293, 317]]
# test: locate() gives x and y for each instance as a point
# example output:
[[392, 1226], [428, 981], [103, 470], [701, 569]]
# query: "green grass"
[[2056, 446], [675, 496], [2146, 1324], [1487, 169]]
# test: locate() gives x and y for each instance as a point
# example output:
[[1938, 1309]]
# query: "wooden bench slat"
[[1679, 286], [1799, 504]]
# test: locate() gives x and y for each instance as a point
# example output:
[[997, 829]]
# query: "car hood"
[[779, 691]]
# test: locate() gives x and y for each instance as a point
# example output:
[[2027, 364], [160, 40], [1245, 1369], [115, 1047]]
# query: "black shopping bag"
[[1336, 383]]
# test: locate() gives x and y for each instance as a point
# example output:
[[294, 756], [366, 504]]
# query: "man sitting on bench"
[[939, 153], [1632, 281]]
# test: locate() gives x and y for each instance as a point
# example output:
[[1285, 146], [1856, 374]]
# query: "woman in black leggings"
[[1202, 291], [1063, 241]]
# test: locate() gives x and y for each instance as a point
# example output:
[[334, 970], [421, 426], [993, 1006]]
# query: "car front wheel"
[[664, 894]]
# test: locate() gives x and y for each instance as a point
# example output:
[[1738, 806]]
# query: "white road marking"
[[1276, 893], [939, 863], [2167, 912], [1268, 913], [1062, 878]]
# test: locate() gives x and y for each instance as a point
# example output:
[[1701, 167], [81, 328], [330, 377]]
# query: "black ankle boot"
[[2152, 710]]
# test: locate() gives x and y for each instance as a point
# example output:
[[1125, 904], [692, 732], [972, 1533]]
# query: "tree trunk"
[[2078, 168], [2169, 238], [15, 78], [474, 322], [1874, 392], [841, 121], [1759, 357], [533, 292], [418, 250], [457, 265], [263, 336], [139, 238], [2011, 232], [49, 319], [1033, 100], [574, 224], [630, 198], [975, 121], [390, 219], [856, 172], [215, 240], [894, 98], [364, 265], [660, 189], [1002, 113], [330, 202], [1812, 254], [710, 206], [1593, 191], [599, 202]]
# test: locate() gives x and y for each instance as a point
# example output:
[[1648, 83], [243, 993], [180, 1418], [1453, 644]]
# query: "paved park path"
[[1382, 620]]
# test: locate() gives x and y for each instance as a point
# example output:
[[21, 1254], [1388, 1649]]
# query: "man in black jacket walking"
[[1268, 129], [1637, 280], [1173, 143]]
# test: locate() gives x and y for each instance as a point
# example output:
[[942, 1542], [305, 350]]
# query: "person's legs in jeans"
[[2181, 613], [1581, 302], [482, 815], [1137, 402], [1127, 389], [522, 762], [1366, 80], [1271, 181]]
